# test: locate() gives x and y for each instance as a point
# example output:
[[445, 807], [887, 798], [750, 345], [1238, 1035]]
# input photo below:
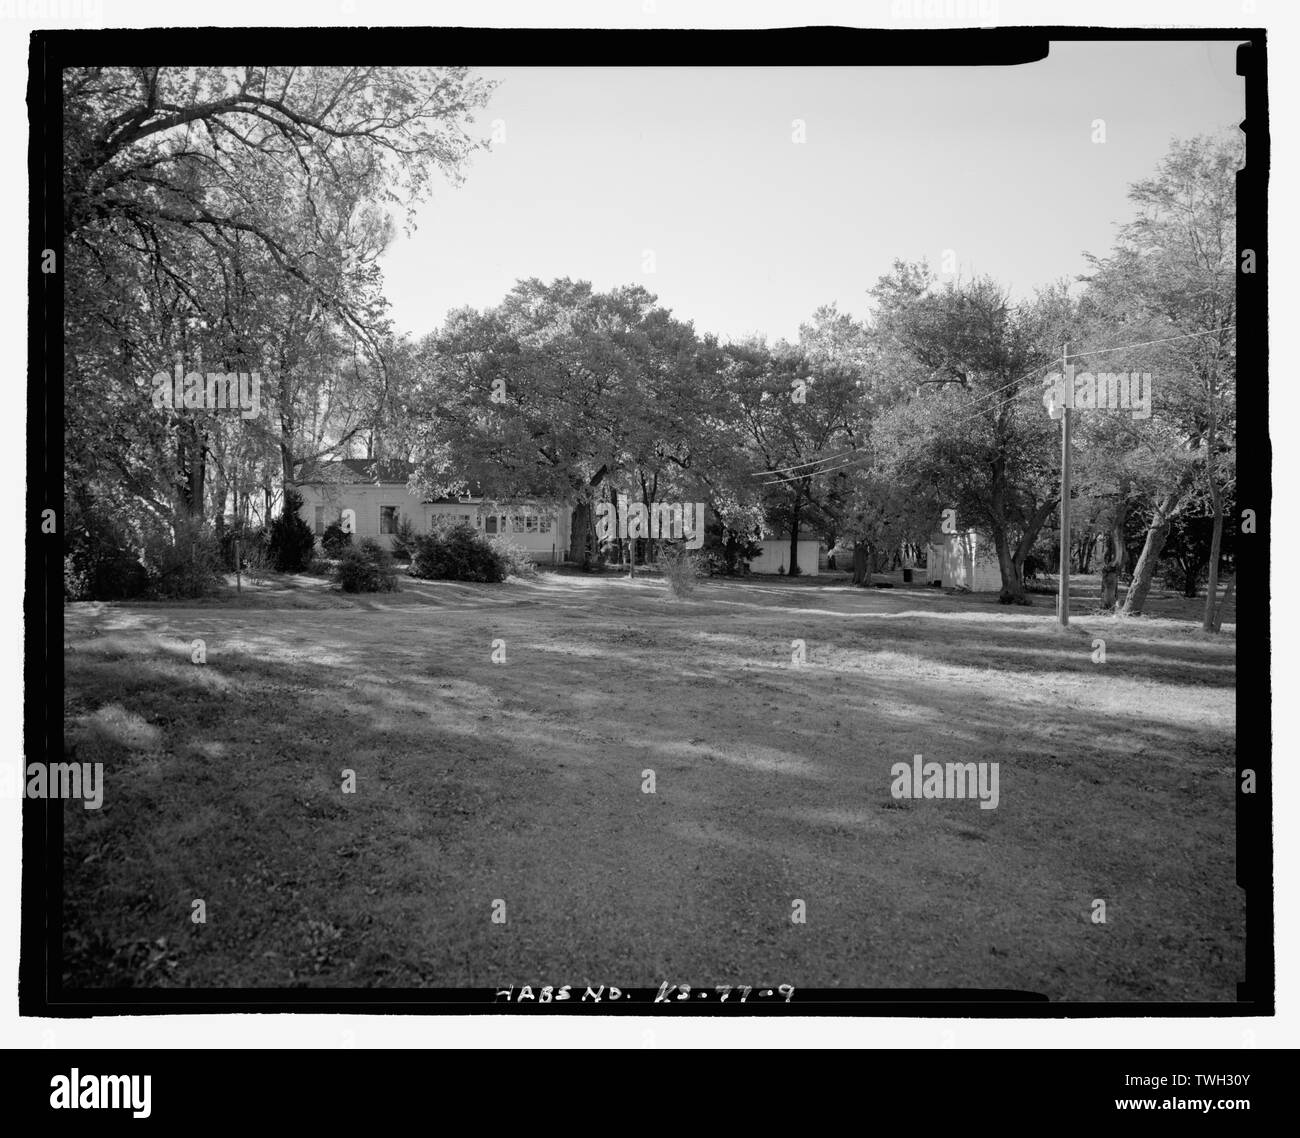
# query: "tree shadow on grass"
[[477, 781]]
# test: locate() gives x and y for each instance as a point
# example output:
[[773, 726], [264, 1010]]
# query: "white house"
[[963, 560], [378, 495]]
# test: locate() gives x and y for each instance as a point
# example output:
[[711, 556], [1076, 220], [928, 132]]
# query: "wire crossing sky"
[[747, 197]]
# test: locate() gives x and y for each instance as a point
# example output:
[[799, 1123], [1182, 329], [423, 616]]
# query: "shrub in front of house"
[[514, 561], [404, 539], [335, 539], [461, 553], [290, 542], [456, 553], [365, 568]]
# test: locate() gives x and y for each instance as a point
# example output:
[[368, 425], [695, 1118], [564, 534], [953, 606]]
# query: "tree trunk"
[[1013, 588], [1209, 624], [1222, 606], [860, 573], [1028, 538], [1136, 597], [794, 540], [1212, 587], [194, 457], [1109, 582], [582, 534], [286, 464], [581, 524], [1113, 565], [1087, 551]]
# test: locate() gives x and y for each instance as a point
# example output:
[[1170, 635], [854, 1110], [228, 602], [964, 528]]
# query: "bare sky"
[[751, 231]]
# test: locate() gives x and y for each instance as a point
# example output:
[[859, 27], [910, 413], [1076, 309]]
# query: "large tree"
[[1171, 279], [230, 219], [566, 393], [798, 416], [974, 434]]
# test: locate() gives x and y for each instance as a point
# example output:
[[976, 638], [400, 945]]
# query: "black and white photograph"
[[543, 521]]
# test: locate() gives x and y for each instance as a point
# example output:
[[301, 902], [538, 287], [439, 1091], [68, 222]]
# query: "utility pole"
[[1063, 598]]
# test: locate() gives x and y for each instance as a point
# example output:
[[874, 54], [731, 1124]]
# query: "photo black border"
[[40, 991]]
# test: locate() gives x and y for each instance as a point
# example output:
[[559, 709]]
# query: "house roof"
[[359, 470], [377, 472]]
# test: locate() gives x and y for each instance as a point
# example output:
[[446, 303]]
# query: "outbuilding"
[[964, 560], [775, 556]]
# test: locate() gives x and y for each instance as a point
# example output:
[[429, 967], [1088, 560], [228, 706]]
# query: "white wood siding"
[[776, 556], [963, 560]]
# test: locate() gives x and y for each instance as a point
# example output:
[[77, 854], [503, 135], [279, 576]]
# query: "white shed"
[[775, 557], [963, 560]]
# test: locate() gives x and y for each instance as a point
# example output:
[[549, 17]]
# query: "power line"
[[815, 473], [798, 465], [1148, 343]]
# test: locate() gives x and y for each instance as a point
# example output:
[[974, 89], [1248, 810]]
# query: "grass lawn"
[[522, 781]]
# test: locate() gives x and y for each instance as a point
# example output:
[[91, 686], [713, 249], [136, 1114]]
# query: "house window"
[[490, 524], [320, 520], [518, 526], [387, 519], [544, 523], [464, 519], [530, 524]]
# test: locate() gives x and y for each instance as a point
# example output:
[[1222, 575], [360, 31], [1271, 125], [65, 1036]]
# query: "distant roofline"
[[387, 473], [367, 475]]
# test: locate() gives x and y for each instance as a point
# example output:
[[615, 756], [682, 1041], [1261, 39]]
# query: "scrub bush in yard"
[[461, 553], [404, 540], [680, 569], [183, 560], [290, 541], [514, 561], [335, 539], [366, 568], [99, 563]]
